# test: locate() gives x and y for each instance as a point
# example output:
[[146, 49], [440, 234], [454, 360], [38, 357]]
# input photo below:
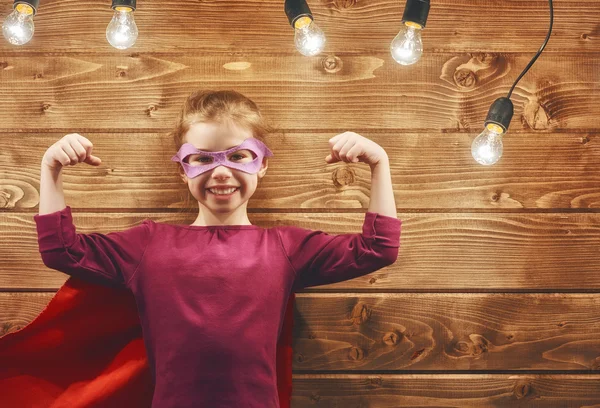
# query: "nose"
[[221, 171]]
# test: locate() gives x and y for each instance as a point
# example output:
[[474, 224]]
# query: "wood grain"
[[458, 331], [428, 332], [445, 390], [440, 327], [260, 26], [429, 171], [448, 92], [447, 252]]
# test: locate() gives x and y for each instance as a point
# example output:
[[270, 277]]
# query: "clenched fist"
[[70, 150]]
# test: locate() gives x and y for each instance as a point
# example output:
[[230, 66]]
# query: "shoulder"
[[290, 234], [291, 230]]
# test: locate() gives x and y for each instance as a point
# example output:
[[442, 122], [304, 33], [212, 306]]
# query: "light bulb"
[[309, 38], [487, 147], [122, 32], [407, 46], [18, 26]]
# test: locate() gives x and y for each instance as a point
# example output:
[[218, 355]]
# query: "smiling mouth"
[[215, 193]]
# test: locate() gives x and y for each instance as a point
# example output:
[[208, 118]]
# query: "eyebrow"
[[205, 150]]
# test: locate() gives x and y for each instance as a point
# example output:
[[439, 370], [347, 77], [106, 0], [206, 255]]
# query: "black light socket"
[[294, 9], [416, 11], [123, 3], [33, 3], [500, 113]]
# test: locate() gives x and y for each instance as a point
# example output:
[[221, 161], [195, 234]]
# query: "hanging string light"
[[122, 31], [487, 147], [18, 26], [407, 46], [308, 37]]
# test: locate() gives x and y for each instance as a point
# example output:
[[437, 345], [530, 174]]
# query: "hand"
[[70, 150], [351, 147]]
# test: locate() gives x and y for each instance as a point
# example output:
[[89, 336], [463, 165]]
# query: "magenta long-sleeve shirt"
[[211, 299]]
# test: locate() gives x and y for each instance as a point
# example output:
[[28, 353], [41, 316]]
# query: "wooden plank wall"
[[494, 299]]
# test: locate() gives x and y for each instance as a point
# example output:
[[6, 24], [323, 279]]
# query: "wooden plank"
[[463, 332], [429, 171], [447, 390], [447, 252], [446, 91], [458, 331], [350, 26]]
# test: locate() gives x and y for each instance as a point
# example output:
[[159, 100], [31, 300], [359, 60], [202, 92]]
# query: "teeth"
[[222, 191]]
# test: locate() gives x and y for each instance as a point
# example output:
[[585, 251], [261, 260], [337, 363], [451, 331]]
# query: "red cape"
[[85, 349]]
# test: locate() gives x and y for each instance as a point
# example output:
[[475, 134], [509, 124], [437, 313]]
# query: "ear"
[[182, 174], [263, 168]]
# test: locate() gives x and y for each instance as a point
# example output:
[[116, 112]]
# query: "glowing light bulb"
[[122, 31], [407, 46], [487, 147], [18, 26], [309, 38]]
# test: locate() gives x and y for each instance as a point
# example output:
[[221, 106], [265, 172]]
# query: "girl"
[[211, 295]]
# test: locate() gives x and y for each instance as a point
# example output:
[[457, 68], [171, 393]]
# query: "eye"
[[241, 156]]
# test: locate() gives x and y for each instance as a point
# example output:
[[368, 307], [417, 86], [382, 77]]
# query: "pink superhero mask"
[[220, 158]]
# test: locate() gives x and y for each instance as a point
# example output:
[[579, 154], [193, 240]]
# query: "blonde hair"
[[221, 107]]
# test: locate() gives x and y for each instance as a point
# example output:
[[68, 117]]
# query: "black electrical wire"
[[538, 53]]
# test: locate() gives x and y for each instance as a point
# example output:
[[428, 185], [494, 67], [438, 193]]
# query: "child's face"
[[218, 137]]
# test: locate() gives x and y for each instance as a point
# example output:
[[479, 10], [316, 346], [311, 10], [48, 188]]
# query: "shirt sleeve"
[[319, 258], [110, 259]]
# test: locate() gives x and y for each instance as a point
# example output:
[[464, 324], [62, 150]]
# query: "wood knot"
[[121, 73], [465, 78], [417, 353], [134, 55], [486, 58], [360, 314], [496, 197], [510, 337], [375, 382], [5, 201], [462, 346], [596, 364], [536, 116], [343, 176], [3, 64], [562, 324], [10, 195], [315, 397], [372, 280], [356, 354], [5, 328], [344, 4], [585, 139], [584, 36], [151, 108], [521, 390], [391, 338], [299, 357], [481, 345], [332, 64], [46, 106], [38, 76]]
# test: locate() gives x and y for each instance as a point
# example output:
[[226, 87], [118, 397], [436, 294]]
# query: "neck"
[[207, 217]]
